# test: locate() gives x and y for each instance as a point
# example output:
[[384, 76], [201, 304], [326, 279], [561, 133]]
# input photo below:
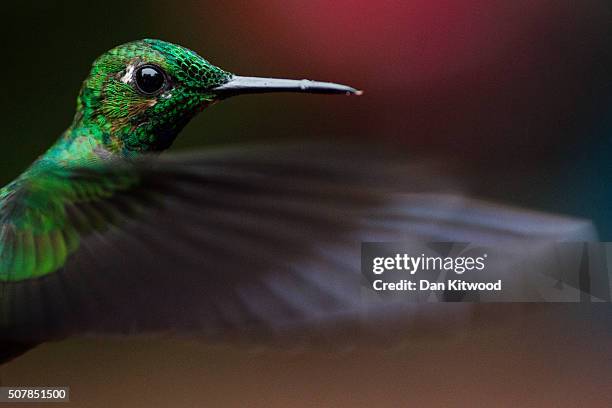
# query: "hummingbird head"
[[141, 94]]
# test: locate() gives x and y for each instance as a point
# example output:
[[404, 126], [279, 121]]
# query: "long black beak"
[[238, 85]]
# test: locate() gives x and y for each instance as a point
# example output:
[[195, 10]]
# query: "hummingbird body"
[[113, 120], [135, 101], [98, 234], [103, 235]]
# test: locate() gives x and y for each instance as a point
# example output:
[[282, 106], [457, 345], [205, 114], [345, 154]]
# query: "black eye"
[[150, 79]]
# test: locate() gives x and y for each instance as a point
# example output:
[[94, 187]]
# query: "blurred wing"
[[259, 240]]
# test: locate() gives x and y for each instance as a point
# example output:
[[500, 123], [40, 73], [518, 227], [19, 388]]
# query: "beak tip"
[[357, 92]]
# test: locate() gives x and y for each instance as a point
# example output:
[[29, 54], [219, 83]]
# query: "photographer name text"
[[413, 264]]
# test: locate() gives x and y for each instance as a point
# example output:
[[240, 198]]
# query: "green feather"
[[38, 236]]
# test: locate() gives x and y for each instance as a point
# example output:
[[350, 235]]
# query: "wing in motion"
[[239, 240]]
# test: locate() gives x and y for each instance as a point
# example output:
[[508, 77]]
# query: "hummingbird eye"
[[149, 79]]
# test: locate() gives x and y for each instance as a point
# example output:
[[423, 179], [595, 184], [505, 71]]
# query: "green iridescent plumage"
[[112, 120], [37, 235], [113, 116], [116, 121]]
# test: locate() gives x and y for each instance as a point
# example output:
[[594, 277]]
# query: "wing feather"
[[239, 240]]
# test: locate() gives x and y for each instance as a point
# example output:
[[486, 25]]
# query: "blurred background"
[[519, 93]]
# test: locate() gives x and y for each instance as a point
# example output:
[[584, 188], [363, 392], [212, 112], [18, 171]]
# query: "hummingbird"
[[103, 235]]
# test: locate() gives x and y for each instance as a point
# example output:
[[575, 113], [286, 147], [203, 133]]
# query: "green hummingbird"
[[103, 235]]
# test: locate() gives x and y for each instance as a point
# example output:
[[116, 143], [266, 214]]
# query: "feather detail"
[[260, 241]]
